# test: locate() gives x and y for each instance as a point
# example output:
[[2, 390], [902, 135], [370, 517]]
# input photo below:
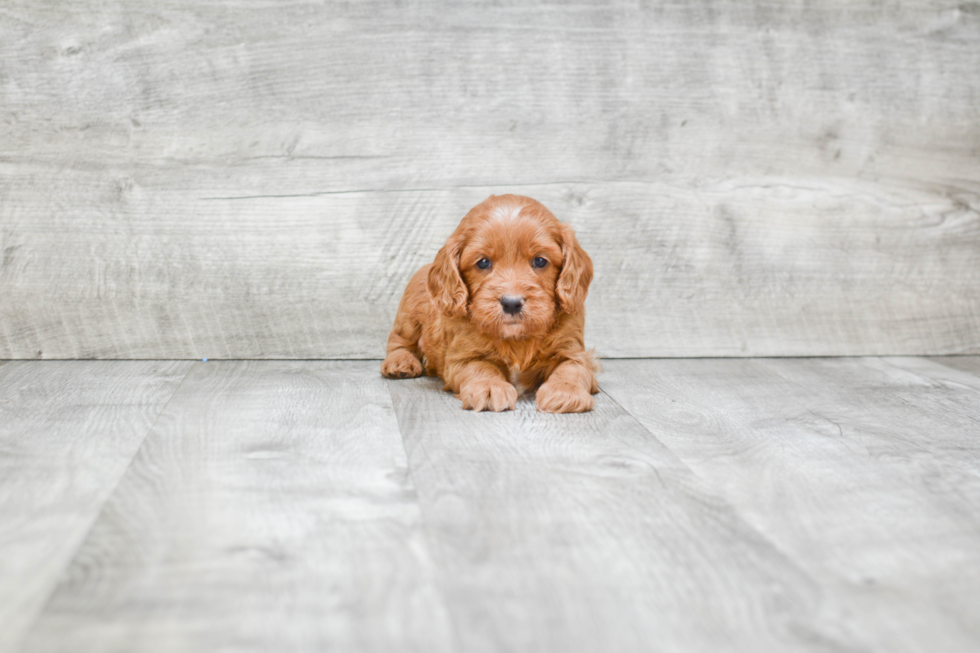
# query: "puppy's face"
[[510, 267]]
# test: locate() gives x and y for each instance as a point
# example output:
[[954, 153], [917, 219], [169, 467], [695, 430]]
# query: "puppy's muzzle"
[[512, 304]]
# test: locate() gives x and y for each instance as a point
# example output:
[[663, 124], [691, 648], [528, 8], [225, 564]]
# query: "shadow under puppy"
[[500, 311]]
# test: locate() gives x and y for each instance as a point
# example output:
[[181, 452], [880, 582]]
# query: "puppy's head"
[[511, 268]]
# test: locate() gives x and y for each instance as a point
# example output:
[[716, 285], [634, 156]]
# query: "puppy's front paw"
[[563, 398], [401, 364], [488, 395]]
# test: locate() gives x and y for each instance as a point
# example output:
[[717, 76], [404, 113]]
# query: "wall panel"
[[250, 179]]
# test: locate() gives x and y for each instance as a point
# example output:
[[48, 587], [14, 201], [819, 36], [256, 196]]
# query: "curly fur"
[[451, 322]]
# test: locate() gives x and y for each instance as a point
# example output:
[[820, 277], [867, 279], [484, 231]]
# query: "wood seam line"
[[928, 359], [97, 514], [455, 644], [735, 510]]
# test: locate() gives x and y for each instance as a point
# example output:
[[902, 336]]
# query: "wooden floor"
[[705, 505]]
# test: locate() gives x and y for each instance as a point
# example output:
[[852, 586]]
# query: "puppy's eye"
[[483, 263], [539, 262]]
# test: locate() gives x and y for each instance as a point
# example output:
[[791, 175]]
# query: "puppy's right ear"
[[445, 284]]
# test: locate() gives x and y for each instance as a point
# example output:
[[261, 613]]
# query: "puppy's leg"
[[569, 388], [481, 386], [401, 363], [403, 359]]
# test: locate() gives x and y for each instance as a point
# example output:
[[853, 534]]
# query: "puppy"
[[500, 311]]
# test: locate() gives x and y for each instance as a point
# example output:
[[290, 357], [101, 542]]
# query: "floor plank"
[[761, 505], [968, 364], [583, 533], [929, 409], [68, 430], [269, 509], [864, 475]]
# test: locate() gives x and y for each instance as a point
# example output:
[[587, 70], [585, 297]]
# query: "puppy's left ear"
[[576, 273]]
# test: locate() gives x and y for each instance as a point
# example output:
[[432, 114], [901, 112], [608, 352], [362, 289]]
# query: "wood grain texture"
[[68, 430], [862, 473], [583, 533], [968, 364], [246, 179], [758, 505], [269, 509]]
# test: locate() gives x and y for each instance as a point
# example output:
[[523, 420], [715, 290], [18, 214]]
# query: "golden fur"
[[451, 322]]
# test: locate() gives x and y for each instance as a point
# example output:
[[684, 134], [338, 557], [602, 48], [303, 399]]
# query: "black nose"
[[512, 304]]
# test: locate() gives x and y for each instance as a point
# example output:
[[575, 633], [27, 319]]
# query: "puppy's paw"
[[488, 395], [401, 364], [563, 398]]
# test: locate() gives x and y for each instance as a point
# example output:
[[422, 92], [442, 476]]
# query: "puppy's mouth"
[[509, 326], [512, 328]]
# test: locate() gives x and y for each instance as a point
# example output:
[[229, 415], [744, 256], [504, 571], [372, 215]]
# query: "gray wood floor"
[[705, 505]]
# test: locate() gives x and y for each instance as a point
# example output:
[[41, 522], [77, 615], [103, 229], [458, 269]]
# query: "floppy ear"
[[576, 273], [445, 285]]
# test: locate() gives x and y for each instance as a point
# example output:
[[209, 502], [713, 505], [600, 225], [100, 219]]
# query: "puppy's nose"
[[512, 304]]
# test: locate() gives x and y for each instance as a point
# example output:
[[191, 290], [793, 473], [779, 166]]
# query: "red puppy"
[[500, 311]]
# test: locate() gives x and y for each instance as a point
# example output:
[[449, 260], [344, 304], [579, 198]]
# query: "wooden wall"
[[239, 179]]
